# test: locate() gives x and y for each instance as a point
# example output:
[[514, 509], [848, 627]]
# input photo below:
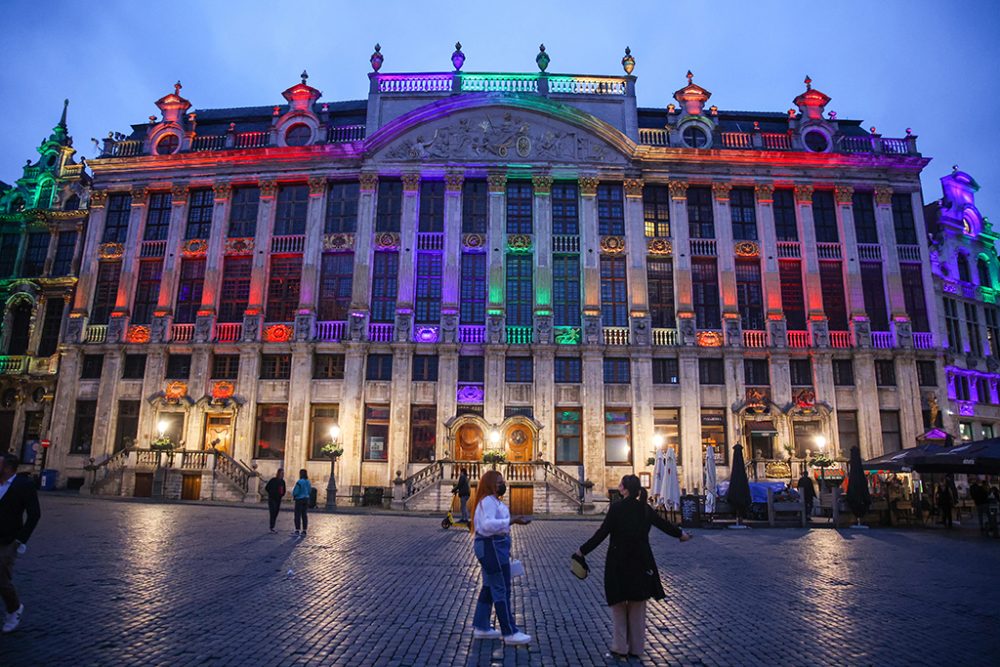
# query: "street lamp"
[[658, 441], [494, 438], [820, 441], [333, 450], [161, 426]]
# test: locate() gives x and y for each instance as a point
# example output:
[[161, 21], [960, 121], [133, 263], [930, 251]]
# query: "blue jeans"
[[493, 554]]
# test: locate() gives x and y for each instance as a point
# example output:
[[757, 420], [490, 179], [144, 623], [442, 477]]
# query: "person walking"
[[275, 492], [945, 501], [300, 494], [980, 494], [490, 524], [808, 492], [17, 499], [461, 489], [630, 574]]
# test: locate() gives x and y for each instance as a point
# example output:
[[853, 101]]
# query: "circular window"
[[816, 141], [695, 137], [52, 160], [298, 135], [168, 144]]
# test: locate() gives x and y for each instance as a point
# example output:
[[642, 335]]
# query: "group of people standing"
[[301, 494]]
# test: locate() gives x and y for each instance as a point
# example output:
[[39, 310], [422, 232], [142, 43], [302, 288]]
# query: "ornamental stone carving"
[[137, 333], [844, 194], [202, 327], [278, 333], [368, 181], [110, 250], [904, 333], [251, 327], [223, 390], [449, 327], [678, 189], [496, 182], [178, 194], [747, 249], [387, 241], [612, 245], [453, 182], [358, 325], [303, 326], [222, 191], [519, 242], [640, 330], [158, 329], [804, 194], [474, 242], [194, 248], [592, 329], [268, 189], [778, 333], [140, 196], [116, 327], [820, 333], [543, 329], [239, 246], [317, 186], [98, 198], [401, 328], [659, 246], [588, 185], [764, 192], [721, 191], [411, 182], [709, 339], [494, 328], [338, 242], [175, 391], [469, 393], [883, 195], [542, 184], [734, 337], [74, 329], [633, 187]]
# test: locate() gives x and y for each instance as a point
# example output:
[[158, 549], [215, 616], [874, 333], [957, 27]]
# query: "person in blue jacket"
[[301, 493]]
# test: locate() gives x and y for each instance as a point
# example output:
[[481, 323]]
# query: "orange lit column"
[[635, 246], [130, 266], [810, 259], [312, 257], [213, 263], [361, 284], [87, 265], [681, 250], [935, 321], [452, 266], [163, 315], [262, 250], [890, 257], [844, 195], [723, 217], [769, 250]]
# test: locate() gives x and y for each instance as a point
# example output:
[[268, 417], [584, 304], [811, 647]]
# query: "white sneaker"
[[13, 619], [517, 638], [486, 634]]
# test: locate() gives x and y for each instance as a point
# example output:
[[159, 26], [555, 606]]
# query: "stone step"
[[546, 500]]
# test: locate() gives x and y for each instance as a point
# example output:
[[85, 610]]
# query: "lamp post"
[[820, 441], [334, 452]]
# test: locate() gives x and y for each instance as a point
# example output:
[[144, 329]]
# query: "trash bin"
[[690, 511], [49, 478], [373, 496], [312, 497]]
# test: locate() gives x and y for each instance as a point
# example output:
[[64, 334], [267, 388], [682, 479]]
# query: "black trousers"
[[302, 513], [946, 516], [273, 506]]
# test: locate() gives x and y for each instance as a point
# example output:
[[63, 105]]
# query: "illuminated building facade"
[[42, 222], [475, 261]]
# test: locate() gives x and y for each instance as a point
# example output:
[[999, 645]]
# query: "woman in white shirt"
[[490, 523]]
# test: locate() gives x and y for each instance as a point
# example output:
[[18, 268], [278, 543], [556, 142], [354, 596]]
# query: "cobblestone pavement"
[[123, 583]]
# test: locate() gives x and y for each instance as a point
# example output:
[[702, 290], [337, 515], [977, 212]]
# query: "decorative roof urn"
[[628, 62], [458, 58], [542, 59], [377, 58]]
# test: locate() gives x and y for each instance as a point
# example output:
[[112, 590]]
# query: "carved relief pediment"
[[499, 134]]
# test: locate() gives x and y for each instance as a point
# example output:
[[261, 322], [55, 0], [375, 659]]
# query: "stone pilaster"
[[266, 211], [496, 242], [771, 278], [542, 227], [590, 251], [213, 263], [399, 422], [723, 217], [690, 419], [545, 400], [592, 391], [88, 264], [869, 420], [447, 396], [681, 236], [452, 265], [312, 258], [844, 195], [130, 259], [363, 246], [890, 251], [178, 220], [810, 257]]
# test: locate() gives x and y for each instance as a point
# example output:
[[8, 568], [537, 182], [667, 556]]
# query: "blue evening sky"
[[931, 66]]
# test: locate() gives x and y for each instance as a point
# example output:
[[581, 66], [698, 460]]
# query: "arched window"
[[984, 272], [44, 199], [964, 273], [20, 324]]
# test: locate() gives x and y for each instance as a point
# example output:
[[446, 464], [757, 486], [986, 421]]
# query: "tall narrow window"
[[972, 329], [743, 206], [424, 368], [147, 290], [892, 440], [473, 289], [565, 208], [618, 436], [964, 272], [127, 427], [568, 370], [389, 209], [902, 218], [385, 272], [475, 207], [701, 218], [913, 296], [291, 210], [8, 254], [324, 418], [335, 284], [116, 218], [566, 290], [35, 254], [656, 210], [800, 372], [569, 440], [660, 281], [749, 296], [873, 288], [431, 207], [157, 217], [952, 325], [243, 212], [993, 330], [328, 366], [189, 289], [520, 200], [376, 445], [824, 217], [785, 225], [614, 296], [341, 208], [65, 249], [272, 421], [865, 226], [235, 293], [283, 288], [705, 293], [519, 290], [51, 324], [423, 433], [105, 291], [983, 269], [427, 303], [83, 427], [834, 302], [793, 300], [610, 209], [199, 219]]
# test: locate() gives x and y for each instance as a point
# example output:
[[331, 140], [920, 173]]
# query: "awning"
[[760, 428]]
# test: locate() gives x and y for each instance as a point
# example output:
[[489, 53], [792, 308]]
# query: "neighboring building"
[[42, 221], [964, 262], [468, 261]]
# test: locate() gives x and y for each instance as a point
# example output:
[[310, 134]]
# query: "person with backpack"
[[301, 493], [275, 492], [630, 574]]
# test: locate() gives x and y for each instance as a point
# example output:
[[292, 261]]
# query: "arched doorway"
[[469, 442], [519, 443]]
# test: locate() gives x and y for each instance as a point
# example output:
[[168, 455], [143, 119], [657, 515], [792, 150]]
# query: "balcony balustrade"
[[616, 335], [228, 332], [96, 333], [665, 337], [181, 333], [380, 332], [798, 339], [755, 339], [330, 332], [883, 340], [471, 334]]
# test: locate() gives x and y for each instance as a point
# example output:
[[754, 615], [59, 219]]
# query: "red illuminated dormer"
[[173, 106], [301, 96], [692, 96], [812, 102]]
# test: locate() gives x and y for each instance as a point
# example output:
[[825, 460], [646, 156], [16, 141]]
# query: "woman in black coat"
[[630, 574]]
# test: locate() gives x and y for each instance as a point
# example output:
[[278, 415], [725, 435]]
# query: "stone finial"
[[304, 76], [628, 62], [377, 58], [177, 87], [458, 58], [542, 59], [690, 77]]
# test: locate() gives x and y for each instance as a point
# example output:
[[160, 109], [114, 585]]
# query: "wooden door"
[[519, 444], [219, 428], [191, 487], [522, 500], [143, 485], [469, 443]]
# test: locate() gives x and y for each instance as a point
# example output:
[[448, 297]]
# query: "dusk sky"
[[930, 66]]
